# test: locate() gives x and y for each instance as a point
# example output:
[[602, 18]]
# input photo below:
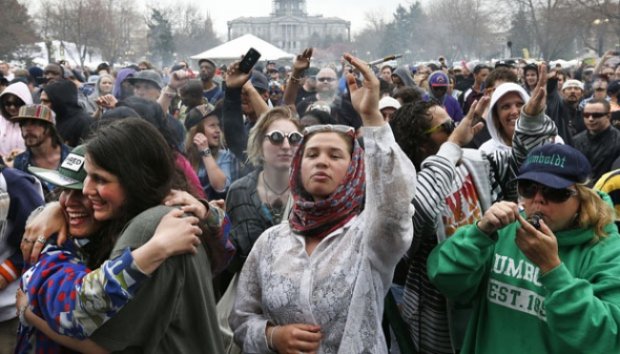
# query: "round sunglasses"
[[276, 137]]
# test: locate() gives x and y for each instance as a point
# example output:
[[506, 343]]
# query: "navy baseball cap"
[[556, 166]]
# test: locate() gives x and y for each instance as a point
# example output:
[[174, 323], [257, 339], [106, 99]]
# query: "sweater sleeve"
[[247, 319], [234, 131], [434, 181], [585, 311], [25, 195], [390, 187], [458, 265], [75, 301]]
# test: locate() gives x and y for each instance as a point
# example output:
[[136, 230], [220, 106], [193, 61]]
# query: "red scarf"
[[320, 218]]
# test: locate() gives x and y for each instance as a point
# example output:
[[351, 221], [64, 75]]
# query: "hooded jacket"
[[403, 74], [72, 123], [10, 133], [496, 142], [573, 308]]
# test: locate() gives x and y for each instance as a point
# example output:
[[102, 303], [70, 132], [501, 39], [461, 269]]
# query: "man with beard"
[[211, 90], [572, 92], [44, 147]]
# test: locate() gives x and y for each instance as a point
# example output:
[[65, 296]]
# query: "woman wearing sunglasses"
[[318, 282], [257, 201], [550, 271], [11, 99]]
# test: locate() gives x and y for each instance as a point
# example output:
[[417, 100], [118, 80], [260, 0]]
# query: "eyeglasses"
[[528, 189], [276, 137], [595, 115], [325, 79], [447, 127], [328, 128], [600, 89]]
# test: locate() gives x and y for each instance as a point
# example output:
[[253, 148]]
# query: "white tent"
[[234, 49]]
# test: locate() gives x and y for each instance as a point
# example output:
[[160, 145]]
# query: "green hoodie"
[[574, 308]]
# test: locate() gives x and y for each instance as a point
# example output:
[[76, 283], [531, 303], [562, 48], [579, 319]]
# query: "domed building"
[[290, 27]]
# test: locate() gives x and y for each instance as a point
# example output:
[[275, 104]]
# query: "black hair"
[[152, 113], [501, 74], [407, 95], [409, 124]]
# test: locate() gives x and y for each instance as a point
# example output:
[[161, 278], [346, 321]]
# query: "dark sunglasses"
[[447, 127], [325, 79], [595, 115], [528, 189], [15, 104], [276, 137]]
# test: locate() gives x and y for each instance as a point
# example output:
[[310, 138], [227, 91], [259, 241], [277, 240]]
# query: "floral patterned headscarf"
[[320, 218]]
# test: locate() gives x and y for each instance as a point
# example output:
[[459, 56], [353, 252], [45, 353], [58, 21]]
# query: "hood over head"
[[499, 92], [63, 95], [18, 89], [404, 75]]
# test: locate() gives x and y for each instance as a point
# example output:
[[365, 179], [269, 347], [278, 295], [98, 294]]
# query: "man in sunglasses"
[[455, 186], [600, 142], [543, 279]]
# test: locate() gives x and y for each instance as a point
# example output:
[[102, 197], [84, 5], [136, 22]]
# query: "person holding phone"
[[557, 286]]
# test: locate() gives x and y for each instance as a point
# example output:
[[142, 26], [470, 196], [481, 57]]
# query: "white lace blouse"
[[341, 286]]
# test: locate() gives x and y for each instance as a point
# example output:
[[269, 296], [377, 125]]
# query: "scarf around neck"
[[320, 218]]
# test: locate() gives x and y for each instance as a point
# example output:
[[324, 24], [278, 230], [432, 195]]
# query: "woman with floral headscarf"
[[317, 283]]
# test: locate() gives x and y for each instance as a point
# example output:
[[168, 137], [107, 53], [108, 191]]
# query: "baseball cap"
[[208, 61], [259, 81], [505, 63], [70, 174], [556, 166], [572, 83], [150, 76], [388, 102], [36, 111], [438, 79]]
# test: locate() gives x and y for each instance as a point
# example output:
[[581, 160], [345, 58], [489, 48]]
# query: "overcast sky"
[[350, 10]]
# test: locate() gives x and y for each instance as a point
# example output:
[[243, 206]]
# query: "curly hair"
[[409, 124]]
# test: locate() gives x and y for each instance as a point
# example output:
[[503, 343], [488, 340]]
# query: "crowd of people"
[[346, 208]]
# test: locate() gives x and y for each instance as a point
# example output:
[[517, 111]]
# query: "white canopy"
[[234, 49]]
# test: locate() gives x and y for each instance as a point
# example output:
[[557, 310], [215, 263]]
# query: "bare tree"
[[16, 28], [466, 34]]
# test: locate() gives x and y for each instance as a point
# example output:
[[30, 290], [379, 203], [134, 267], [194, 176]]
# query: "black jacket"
[[601, 150], [72, 122]]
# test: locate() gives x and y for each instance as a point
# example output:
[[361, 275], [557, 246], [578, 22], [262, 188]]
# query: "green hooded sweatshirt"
[[574, 308]]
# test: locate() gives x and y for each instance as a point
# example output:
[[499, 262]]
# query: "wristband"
[[21, 312], [205, 152], [270, 343]]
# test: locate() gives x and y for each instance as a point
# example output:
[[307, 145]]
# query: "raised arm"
[[390, 177], [301, 64], [234, 130]]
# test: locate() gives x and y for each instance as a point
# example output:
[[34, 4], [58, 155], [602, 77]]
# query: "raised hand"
[[469, 126], [365, 99], [178, 79], [538, 100], [236, 78], [302, 62]]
